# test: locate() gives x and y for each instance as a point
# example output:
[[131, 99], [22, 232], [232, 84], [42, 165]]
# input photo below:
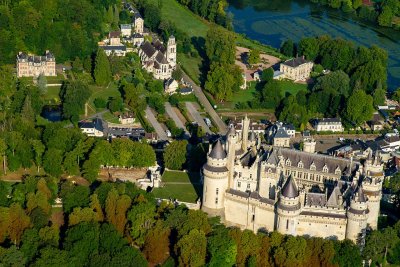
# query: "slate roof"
[[148, 49], [231, 131], [360, 197], [295, 62], [113, 47], [218, 152], [322, 214], [126, 26], [252, 136], [315, 199], [159, 46], [115, 34], [34, 58], [289, 190], [281, 133], [248, 159], [333, 200], [319, 160], [325, 121], [160, 58]]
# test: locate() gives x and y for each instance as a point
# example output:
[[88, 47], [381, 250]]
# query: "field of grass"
[[191, 65], [291, 87], [180, 185], [110, 117], [53, 94], [103, 92]]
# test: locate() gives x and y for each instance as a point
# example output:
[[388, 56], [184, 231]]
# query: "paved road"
[[197, 117], [174, 117], [206, 104], [156, 125]]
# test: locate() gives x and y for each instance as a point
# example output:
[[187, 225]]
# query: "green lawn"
[[291, 87], [110, 117], [191, 65], [180, 185], [103, 92], [53, 93]]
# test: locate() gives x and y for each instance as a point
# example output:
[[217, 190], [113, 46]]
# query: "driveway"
[[172, 114], [207, 106], [156, 125], [196, 115]]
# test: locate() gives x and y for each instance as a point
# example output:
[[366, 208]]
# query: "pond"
[[274, 21], [52, 113]]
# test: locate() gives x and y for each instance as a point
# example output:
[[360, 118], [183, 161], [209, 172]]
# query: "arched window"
[[325, 168], [288, 163], [300, 164], [312, 167]]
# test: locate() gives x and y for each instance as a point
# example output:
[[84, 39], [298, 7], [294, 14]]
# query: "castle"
[[33, 66], [157, 59], [262, 188]]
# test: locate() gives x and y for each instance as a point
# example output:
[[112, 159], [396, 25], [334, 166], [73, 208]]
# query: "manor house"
[[158, 59], [32, 66], [296, 69], [261, 188]]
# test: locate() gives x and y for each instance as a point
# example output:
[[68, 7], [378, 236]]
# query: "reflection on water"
[[273, 21], [52, 113]]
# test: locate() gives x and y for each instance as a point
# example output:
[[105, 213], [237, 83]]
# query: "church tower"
[[215, 173], [171, 51], [288, 208], [357, 216]]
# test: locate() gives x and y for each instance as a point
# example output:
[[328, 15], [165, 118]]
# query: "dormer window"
[[325, 169], [337, 171], [269, 170], [300, 164], [288, 163], [312, 167]]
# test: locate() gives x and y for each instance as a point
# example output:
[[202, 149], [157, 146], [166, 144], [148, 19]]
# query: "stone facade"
[[328, 124], [157, 59], [33, 66], [296, 69], [256, 187]]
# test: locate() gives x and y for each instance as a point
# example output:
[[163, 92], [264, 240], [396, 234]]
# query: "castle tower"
[[215, 180], [288, 208], [309, 145], [171, 51], [245, 132], [252, 139], [357, 216], [372, 185], [232, 139]]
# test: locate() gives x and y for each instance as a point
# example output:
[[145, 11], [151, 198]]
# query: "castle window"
[[269, 170], [239, 184], [312, 167], [337, 171], [288, 163], [216, 200], [300, 165], [287, 224], [216, 191], [251, 175], [325, 169], [248, 186]]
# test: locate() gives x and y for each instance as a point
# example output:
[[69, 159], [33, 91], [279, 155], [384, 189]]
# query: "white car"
[[168, 133]]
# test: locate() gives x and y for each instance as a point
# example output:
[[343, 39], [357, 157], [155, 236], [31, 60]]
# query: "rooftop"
[[295, 62]]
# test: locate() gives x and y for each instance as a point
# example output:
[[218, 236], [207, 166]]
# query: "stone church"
[[263, 188], [158, 59]]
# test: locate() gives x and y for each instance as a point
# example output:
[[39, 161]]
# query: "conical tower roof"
[[218, 152], [360, 197], [252, 136], [289, 190], [333, 200], [231, 131]]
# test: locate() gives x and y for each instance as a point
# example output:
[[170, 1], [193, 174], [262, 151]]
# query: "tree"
[[194, 241], [74, 95], [175, 155], [254, 56], [221, 248], [3, 149], [287, 48], [359, 107], [223, 80], [19, 221], [102, 69], [142, 218], [39, 149], [115, 104], [220, 45], [336, 82], [177, 74], [271, 94], [156, 244], [42, 84], [309, 47], [152, 16], [379, 97], [267, 75], [386, 17], [100, 103], [74, 196], [52, 161]]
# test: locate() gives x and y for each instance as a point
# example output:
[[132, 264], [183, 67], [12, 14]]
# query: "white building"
[[328, 124], [170, 86], [33, 66], [138, 23], [126, 30], [92, 128], [157, 59], [296, 69], [259, 188]]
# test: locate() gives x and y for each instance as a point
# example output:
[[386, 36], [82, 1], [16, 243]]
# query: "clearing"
[[180, 185]]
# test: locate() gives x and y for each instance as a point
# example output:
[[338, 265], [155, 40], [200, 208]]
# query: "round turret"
[[215, 173], [357, 215], [288, 207]]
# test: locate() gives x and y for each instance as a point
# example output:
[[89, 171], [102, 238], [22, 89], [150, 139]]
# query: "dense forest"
[[112, 224]]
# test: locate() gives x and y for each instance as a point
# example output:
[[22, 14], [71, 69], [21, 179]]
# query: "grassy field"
[[53, 93], [110, 117], [180, 185], [191, 65], [291, 87], [103, 92]]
